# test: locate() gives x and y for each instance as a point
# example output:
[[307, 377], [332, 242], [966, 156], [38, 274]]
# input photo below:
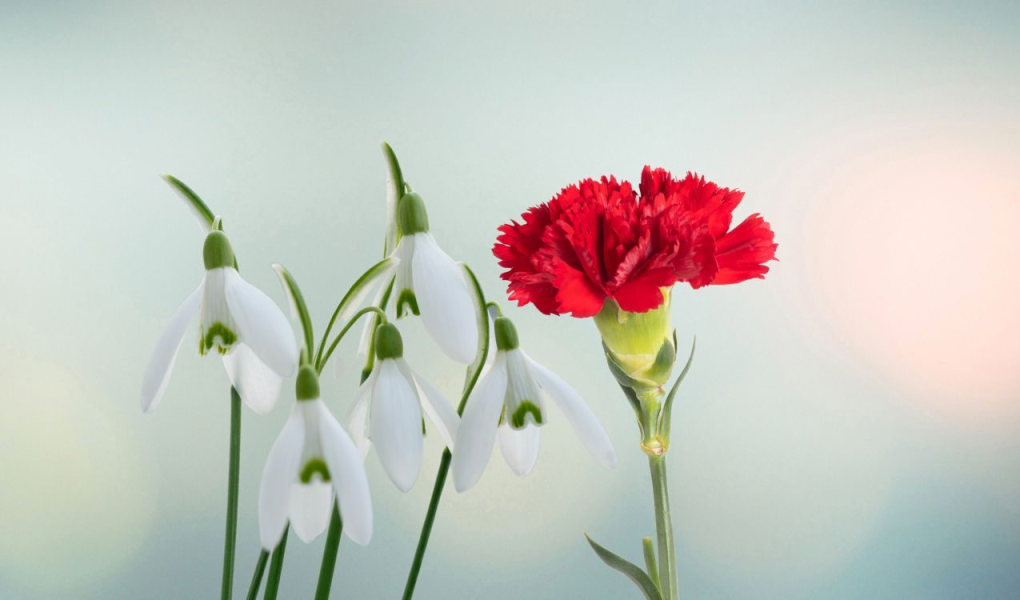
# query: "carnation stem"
[[256, 578], [230, 537], [663, 529], [336, 529], [276, 567]]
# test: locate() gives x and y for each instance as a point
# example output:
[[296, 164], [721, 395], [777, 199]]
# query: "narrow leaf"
[[203, 214], [298, 308], [632, 571], [665, 416], [653, 571], [482, 315], [394, 191], [355, 296]]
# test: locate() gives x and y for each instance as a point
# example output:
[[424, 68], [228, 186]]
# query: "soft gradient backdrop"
[[851, 425]]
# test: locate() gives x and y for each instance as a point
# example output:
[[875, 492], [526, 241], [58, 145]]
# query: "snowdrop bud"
[[217, 251], [388, 343], [307, 387], [411, 215]]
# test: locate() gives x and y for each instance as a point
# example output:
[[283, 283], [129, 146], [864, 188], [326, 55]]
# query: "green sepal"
[[407, 300], [632, 571], [388, 343], [624, 378], [299, 308], [412, 217], [506, 334], [203, 214], [313, 466], [665, 358], [394, 192], [307, 385], [665, 415], [482, 319], [518, 419]]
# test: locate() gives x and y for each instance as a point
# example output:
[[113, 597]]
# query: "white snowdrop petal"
[[161, 363], [263, 326], [311, 506], [395, 424], [520, 447], [280, 472], [357, 417], [476, 433], [447, 309], [586, 425], [258, 385], [347, 472], [435, 405]]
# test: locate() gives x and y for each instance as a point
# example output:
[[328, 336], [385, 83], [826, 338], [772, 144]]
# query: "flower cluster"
[[599, 239]]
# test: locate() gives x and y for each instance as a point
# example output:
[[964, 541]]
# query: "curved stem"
[[663, 528], [470, 380], [230, 536], [367, 278], [276, 567], [336, 529], [256, 578], [329, 552], [370, 309]]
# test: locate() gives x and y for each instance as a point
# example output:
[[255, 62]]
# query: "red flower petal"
[[742, 252]]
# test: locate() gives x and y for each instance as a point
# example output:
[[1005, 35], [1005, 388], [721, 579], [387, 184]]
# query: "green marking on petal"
[[518, 419], [407, 301], [315, 465], [227, 339]]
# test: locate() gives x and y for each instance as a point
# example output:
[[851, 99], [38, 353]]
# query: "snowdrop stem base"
[[426, 527], [230, 537], [336, 528], [663, 529], [276, 568], [256, 578]]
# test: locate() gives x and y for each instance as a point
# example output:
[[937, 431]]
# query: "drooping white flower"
[[237, 320], [312, 462], [387, 411], [430, 284], [506, 404]]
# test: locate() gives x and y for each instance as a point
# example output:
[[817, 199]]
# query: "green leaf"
[[203, 214], [653, 571], [298, 307], [665, 416], [482, 316], [632, 571], [394, 191]]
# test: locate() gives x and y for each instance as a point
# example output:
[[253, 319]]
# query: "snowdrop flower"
[[311, 460], [387, 411], [238, 321], [430, 284], [506, 403]]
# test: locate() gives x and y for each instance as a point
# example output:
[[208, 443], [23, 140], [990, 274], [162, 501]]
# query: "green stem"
[[230, 537], [256, 578], [426, 527], [381, 316], [474, 370], [663, 529], [276, 567], [336, 529]]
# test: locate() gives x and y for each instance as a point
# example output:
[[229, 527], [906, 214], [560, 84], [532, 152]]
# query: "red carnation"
[[598, 239]]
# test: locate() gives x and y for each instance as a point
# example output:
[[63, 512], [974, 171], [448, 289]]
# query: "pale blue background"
[[849, 428]]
